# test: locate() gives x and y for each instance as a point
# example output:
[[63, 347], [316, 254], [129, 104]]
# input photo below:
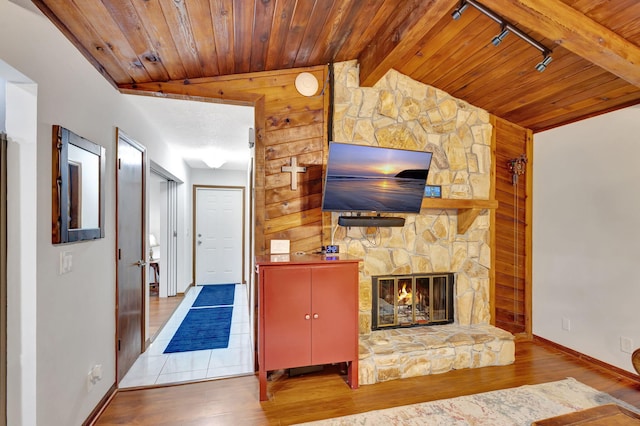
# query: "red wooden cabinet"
[[308, 314]]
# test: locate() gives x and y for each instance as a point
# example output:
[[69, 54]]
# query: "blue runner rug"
[[215, 295], [203, 328]]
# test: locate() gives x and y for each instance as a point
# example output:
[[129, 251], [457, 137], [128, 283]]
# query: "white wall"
[[157, 203], [219, 177], [21, 123], [2, 104], [586, 237], [73, 313]]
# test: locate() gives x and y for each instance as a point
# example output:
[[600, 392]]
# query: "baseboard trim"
[[97, 411], [612, 369]]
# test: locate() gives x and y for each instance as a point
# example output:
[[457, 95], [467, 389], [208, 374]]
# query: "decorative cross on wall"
[[294, 170]]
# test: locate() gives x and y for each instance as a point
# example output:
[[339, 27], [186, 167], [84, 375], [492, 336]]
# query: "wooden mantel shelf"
[[468, 210]]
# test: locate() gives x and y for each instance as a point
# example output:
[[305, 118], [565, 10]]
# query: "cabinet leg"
[[262, 378], [353, 374]]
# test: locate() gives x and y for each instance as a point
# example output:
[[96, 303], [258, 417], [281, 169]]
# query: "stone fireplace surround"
[[407, 351], [403, 113]]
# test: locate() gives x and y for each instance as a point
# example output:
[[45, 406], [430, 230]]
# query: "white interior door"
[[219, 235]]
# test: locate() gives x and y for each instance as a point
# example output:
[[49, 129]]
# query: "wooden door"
[[287, 317], [334, 313], [131, 259], [219, 235]]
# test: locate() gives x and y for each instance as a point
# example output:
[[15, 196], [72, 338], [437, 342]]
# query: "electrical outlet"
[[566, 324], [626, 344]]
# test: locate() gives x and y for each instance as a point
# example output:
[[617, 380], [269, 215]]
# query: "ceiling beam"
[[575, 32], [401, 34]]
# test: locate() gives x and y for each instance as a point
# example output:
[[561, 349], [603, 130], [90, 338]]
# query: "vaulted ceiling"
[[595, 46]]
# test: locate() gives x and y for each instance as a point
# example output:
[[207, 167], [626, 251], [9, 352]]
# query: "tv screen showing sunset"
[[367, 178]]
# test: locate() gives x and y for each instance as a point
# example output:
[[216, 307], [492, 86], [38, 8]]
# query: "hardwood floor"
[[324, 395], [160, 310]]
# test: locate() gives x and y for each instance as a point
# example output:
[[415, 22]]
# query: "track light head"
[[543, 65], [498, 39], [457, 13]]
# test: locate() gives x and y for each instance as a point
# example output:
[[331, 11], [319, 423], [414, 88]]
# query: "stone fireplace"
[[403, 113], [411, 300]]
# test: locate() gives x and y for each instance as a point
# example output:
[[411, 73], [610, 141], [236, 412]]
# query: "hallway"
[[155, 368]]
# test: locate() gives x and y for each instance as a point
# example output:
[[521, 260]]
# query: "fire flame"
[[404, 296]]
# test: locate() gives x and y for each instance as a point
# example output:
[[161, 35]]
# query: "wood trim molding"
[[3, 277], [528, 236], [492, 223], [102, 405], [596, 362]]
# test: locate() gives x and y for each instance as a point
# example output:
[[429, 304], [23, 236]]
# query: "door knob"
[[199, 242], [315, 316], [140, 263], [307, 317]]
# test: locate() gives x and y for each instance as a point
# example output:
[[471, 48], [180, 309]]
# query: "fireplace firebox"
[[412, 300]]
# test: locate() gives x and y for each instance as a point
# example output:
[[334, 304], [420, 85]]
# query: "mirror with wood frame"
[[77, 212]]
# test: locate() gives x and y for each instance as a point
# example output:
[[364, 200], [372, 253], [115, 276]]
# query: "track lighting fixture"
[[506, 28], [498, 39], [457, 13], [543, 65]]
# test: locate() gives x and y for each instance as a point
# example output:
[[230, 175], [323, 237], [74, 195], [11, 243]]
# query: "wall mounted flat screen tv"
[[363, 178]]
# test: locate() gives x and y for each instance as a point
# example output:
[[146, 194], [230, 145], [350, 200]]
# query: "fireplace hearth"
[[412, 300]]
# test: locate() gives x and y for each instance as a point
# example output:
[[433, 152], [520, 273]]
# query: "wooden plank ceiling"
[[594, 44]]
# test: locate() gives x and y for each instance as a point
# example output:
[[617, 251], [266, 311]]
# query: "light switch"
[[66, 262]]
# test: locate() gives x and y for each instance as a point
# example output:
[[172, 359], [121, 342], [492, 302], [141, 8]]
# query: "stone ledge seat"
[[419, 351]]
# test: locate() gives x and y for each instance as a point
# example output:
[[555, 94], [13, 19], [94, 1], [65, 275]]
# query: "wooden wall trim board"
[[529, 236], [579, 355], [492, 224], [3, 277], [101, 406]]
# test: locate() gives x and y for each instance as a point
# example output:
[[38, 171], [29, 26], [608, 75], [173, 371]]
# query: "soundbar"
[[370, 221]]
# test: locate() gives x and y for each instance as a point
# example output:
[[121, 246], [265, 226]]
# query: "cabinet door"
[[334, 302], [287, 323]]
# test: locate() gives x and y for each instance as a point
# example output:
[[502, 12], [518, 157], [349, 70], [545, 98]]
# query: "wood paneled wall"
[[512, 296], [287, 125]]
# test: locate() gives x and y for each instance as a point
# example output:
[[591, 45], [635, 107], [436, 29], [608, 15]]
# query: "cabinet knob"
[[315, 316], [307, 317]]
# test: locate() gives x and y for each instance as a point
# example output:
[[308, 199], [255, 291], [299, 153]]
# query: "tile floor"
[[154, 367]]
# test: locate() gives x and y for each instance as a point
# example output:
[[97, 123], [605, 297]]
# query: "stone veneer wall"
[[402, 113]]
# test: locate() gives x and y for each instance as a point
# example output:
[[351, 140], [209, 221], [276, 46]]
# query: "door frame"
[[169, 269], [3, 277], [194, 213], [145, 294]]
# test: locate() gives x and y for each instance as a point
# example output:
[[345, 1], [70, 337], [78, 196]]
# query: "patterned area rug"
[[517, 406]]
